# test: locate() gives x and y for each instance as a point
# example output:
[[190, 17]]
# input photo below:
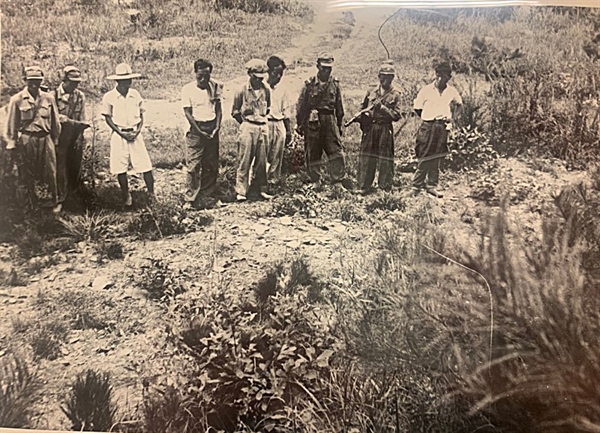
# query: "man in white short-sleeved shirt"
[[435, 104], [201, 103], [280, 131], [123, 109]]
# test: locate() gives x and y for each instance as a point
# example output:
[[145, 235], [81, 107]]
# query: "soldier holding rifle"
[[379, 109], [69, 150]]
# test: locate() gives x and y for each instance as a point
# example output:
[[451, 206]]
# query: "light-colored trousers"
[[275, 150], [252, 154]]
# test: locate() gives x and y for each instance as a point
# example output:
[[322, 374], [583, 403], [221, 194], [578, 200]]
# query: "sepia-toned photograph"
[[299, 216]]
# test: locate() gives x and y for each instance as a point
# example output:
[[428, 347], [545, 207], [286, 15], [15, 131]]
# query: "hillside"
[[319, 311]]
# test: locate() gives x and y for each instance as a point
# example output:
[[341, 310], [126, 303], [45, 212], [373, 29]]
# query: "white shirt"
[[436, 106], [280, 102], [203, 109], [126, 111]]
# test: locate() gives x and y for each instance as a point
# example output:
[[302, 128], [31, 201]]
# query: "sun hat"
[[72, 73], [257, 67], [325, 59], [123, 72], [34, 73]]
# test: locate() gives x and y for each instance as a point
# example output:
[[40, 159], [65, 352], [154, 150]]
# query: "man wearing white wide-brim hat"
[[69, 149], [123, 109], [32, 131]]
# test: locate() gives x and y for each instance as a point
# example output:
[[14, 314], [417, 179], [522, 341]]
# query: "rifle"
[[365, 110]]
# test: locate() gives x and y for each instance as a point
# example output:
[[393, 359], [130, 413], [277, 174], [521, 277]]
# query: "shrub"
[[17, 387], [89, 406], [469, 148], [258, 361], [159, 281]]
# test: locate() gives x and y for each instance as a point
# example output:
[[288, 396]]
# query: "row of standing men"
[[46, 130]]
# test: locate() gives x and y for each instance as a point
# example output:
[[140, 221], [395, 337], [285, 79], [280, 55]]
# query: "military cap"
[[325, 59], [257, 67], [34, 73], [386, 69], [72, 73]]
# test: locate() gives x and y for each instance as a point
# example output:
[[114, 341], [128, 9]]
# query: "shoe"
[[317, 186], [240, 197], [128, 200], [348, 184], [266, 196], [434, 193], [415, 191], [57, 209]]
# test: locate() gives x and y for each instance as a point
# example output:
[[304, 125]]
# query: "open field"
[[328, 311]]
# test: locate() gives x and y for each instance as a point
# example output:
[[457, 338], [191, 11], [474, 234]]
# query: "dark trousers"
[[376, 146], [202, 161], [69, 154], [427, 174], [37, 169], [319, 137], [431, 147]]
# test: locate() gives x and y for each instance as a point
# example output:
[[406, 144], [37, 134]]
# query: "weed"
[[112, 250], [17, 387], [90, 226], [159, 281], [47, 338], [388, 202], [89, 406]]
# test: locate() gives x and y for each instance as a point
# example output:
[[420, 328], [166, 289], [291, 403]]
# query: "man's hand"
[[288, 137], [214, 133], [129, 136]]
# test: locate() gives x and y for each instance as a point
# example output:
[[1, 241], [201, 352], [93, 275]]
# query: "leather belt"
[[254, 122], [35, 134]]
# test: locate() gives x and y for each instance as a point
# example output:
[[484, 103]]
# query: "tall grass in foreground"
[[17, 387], [546, 323]]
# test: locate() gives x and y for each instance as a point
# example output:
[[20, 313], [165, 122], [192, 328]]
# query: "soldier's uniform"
[[69, 149], [320, 113], [377, 144], [32, 130]]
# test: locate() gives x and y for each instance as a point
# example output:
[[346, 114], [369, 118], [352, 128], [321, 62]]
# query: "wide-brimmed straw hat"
[[123, 72]]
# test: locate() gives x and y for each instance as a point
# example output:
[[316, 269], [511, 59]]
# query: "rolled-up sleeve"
[[106, 108], [12, 124], [238, 100], [419, 102]]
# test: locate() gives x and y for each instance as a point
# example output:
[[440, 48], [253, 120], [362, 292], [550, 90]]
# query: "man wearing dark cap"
[[251, 104], [319, 117], [69, 150], [32, 130], [380, 108], [435, 104]]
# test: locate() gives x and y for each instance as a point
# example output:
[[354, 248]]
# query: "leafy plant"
[[159, 281], [89, 405], [469, 148]]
